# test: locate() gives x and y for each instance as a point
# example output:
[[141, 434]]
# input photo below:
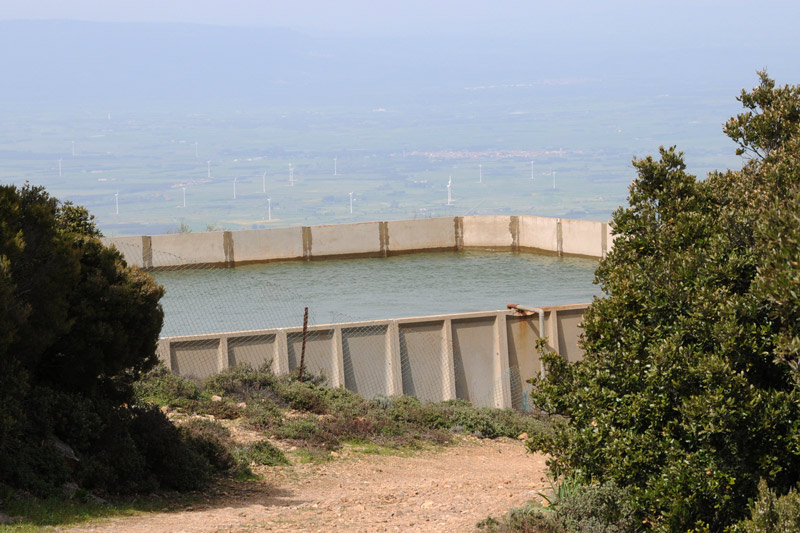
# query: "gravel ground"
[[445, 489]]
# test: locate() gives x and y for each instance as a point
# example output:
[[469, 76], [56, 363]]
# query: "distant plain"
[[396, 160]]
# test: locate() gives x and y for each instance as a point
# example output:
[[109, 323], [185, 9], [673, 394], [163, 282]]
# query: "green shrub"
[[688, 392], [305, 396], [308, 430], [172, 460], [460, 415], [262, 453], [162, 387], [38, 468], [242, 382], [115, 463], [225, 409], [262, 414], [573, 508], [343, 402], [772, 513], [212, 440], [78, 327]]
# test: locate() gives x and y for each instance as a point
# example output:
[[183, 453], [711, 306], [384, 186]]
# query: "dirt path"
[[442, 490]]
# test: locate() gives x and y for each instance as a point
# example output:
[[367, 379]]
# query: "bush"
[[212, 440], [772, 513], [309, 430], [262, 414], [173, 461], [460, 415], [242, 382], [78, 327], [304, 396], [262, 453], [573, 508], [688, 392], [162, 387], [40, 469]]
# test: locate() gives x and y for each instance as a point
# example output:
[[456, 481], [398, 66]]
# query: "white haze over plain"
[[604, 81]]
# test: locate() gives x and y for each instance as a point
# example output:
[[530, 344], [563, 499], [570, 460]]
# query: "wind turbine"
[[116, 201], [531, 170], [334, 167], [351, 203], [184, 196], [234, 187], [554, 177], [291, 175], [269, 208], [209, 169], [449, 183]]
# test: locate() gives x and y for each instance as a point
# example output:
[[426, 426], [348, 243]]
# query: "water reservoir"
[[343, 290]]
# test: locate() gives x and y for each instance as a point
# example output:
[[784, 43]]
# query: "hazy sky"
[[612, 18]]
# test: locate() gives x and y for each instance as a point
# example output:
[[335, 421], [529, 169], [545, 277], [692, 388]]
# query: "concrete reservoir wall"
[[367, 239], [485, 357]]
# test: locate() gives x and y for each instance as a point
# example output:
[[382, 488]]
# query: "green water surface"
[[338, 290]]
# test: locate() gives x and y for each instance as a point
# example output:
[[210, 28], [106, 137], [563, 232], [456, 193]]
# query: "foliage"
[[262, 453], [162, 387], [323, 418], [688, 392], [212, 440], [771, 513], [242, 382], [572, 508], [35, 514], [77, 328]]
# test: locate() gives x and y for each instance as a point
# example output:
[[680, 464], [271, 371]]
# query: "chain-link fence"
[[217, 317]]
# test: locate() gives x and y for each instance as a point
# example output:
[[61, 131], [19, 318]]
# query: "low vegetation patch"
[[309, 416]]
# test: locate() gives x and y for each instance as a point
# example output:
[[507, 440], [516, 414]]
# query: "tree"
[[77, 327], [688, 394], [91, 322]]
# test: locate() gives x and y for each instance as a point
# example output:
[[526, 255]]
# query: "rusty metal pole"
[[303, 349]]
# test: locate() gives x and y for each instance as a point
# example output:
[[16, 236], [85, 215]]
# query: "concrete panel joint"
[[147, 252], [502, 369], [163, 351], [604, 239], [337, 364], [513, 228], [394, 370], [227, 246], [280, 364], [306, 243], [223, 356], [383, 229], [559, 237], [553, 333], [458, 223], [447, 361]]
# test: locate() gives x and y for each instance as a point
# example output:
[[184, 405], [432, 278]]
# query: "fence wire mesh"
[[217, 317]]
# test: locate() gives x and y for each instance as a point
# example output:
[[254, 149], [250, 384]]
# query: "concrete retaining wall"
[[485, 358], [276, 244], [496, 232], [426, 234], [375, 239]]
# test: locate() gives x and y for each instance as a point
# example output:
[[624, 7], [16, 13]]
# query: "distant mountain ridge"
[[56, 63]]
